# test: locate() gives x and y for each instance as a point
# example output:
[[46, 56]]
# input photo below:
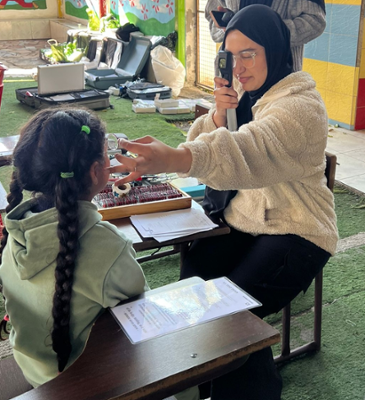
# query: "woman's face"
[[250, 78]]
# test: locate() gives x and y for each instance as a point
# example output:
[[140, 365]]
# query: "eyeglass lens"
[[246, 59], [112, 141]]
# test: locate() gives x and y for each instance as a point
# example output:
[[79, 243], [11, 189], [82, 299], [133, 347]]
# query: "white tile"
[[40, 29], [356, 182], [359, 134], [6, 30], [21, 29], [58, 31], [358, 154], [342, 141], [331, 150], [348, 167]]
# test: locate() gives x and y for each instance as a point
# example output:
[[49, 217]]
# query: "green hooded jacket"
[[106, 272]]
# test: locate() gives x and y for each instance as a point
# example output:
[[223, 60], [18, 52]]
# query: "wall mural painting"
[[153, 17], [23, 5], [114, 7], [76, 8]]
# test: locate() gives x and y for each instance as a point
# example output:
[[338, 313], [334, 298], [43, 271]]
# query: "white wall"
[[11, 15], [36, 24]]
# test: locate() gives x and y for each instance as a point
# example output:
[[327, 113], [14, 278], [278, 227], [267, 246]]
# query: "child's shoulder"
[[96, 230], [112, 230]]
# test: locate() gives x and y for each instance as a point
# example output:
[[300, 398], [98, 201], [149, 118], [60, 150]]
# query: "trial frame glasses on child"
[[111, 141], [247, 59]]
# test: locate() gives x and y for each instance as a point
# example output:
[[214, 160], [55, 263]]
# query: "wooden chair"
[[12, 381], [315, 345]]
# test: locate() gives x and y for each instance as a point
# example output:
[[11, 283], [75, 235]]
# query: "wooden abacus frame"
[[124, 211]]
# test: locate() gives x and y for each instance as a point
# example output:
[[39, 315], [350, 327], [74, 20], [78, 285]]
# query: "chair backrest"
[[200, 110], [330, 170]]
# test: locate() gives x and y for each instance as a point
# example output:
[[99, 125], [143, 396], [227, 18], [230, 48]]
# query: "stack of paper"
[[172, 224], [181, 305], [3, 199], [191, 103], [143, 106], [172, 107]]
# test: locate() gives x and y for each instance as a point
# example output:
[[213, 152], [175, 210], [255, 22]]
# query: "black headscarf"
[[265, 27], [321, 3], [245, 3]]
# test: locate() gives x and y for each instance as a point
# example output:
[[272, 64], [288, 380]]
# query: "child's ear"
[[95, 170]]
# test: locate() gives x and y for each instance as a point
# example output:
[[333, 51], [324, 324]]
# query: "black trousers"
[[272, 268]]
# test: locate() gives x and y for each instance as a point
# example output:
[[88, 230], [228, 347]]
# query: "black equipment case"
[[148, 91], [62, 84], [134, 57], [90, 98]]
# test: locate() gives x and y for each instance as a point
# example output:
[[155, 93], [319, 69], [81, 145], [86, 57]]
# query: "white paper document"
[[172, 224], [164, 311], [3, 199]]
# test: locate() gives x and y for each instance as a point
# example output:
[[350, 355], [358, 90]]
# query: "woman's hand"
[[225, 98], [220, 8], [152, 157]]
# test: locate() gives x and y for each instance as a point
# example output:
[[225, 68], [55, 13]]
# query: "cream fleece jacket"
[[276, 162]]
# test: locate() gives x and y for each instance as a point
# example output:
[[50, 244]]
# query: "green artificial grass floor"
[[121, 119], [337, 372]]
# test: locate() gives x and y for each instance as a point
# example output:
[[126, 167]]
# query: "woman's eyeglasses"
[[246, 58]]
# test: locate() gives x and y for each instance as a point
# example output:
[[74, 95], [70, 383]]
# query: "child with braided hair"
[[61, 265]]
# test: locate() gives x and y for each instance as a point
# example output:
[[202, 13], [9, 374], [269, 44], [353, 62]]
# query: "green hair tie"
[[85, 129], [66, 175]]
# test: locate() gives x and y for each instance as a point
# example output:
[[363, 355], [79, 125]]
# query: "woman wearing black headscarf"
[[305, 19], [283, 225]]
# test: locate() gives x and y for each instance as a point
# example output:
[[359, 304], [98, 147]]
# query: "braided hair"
[[57, 144]]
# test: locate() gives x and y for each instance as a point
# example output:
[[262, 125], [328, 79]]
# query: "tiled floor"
[[349, 147], [22, 57]]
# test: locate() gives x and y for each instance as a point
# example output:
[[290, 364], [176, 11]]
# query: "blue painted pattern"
[[338, 43]]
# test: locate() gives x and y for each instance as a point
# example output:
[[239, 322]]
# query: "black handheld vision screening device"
[[225, 65]]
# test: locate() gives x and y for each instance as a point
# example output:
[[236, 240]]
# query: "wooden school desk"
[[111, 367], [180, 245]]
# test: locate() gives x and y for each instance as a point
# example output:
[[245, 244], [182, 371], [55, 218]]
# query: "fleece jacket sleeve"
[[272, 149]]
